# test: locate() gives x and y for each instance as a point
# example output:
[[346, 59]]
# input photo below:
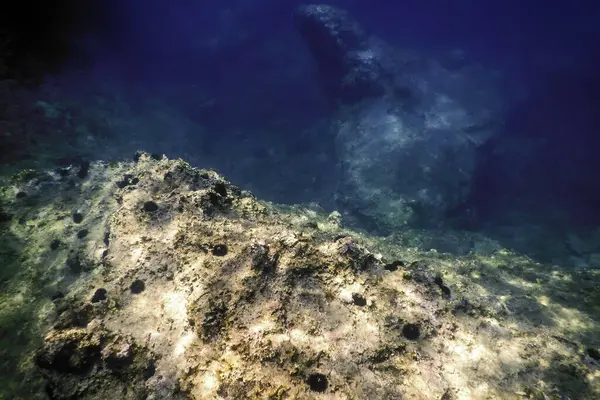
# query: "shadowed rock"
[[348, 62], [407, 127]]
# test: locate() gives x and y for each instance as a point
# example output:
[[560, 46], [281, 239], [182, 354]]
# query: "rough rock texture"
[[408, 127], [186, 287]]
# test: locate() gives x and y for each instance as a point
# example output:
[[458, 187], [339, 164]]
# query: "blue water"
[[233, 86]]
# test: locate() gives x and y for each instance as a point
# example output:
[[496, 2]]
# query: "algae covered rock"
[[93, 363], [214, 293]]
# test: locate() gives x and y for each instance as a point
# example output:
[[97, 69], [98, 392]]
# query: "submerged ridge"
[[154, 279]]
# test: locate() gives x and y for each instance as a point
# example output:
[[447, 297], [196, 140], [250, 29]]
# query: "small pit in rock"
[[359, 300], [137, 286], [393, 266], [219, 250], [150, 206], [317, 382], [127, 180], [77, 217], [82, 233], [74, 264], [99, 295], [21, 195], [150, 370], [54, 244], [4, 216], [411, 331], [594, 353], [446, 293], [63, 171], [220, 189], [57, 296], [84, 169]]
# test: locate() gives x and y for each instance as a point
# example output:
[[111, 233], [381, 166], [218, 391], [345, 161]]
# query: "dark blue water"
[[233, 86]]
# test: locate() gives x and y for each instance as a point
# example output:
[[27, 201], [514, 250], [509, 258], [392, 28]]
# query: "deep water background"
[[231, 86]]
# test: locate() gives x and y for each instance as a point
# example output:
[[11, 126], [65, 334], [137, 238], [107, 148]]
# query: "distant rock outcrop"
[[407, 127]]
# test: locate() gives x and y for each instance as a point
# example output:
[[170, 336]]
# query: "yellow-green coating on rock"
[[186, 287]]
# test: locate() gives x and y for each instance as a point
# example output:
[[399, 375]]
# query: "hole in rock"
[[57, 296], [99, 295], [77, 217], [359, 300], [150, 206], [317, 382], [219, 250], [411, 331], [74, 264], [393, 266], [594, 353], [84, 169], [137, 286], [220, 189], [446, 293]]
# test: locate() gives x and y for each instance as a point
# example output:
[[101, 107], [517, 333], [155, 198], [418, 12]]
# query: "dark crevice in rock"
[[99, 295]]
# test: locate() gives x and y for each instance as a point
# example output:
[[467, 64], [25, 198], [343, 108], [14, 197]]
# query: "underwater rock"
[[408, 127], [93, 363], [286, 312], [348, 63]]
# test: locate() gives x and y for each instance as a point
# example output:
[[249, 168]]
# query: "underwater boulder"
[[408, 126], [349, 66]]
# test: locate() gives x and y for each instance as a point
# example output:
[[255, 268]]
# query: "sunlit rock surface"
[[152, 279], [408, 126]]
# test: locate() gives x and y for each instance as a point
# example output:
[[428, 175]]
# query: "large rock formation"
[[407, 128], [152, 279]]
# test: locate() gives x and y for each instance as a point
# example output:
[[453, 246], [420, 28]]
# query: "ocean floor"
[[151, 279]]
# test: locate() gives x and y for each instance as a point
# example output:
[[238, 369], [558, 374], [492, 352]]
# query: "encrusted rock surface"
[[187, 287]]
